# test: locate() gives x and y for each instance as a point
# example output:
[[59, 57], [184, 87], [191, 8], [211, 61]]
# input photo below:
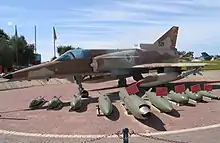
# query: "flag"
[[208, 87], [195, 88], [132, 89], [180, 88], [16, 32], [161, 91], [54, 34]]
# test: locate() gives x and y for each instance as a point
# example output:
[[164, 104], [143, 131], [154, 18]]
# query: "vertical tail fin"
[[168, 40]]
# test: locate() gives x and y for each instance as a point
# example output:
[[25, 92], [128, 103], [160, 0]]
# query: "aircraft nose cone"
[[8, 76]]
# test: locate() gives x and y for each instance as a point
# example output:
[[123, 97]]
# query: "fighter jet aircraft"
[[162, 55], [206, 57]]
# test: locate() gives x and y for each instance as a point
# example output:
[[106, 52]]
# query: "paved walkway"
[[204, 136], [26, 84]]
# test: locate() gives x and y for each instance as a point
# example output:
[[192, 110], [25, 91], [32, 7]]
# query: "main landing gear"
[[82, 92], [122, 82]]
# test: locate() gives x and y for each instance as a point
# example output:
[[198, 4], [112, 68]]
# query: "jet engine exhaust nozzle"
[[145, 111]]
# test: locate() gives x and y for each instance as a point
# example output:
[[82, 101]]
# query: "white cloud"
[[153, 6], [10, 23]]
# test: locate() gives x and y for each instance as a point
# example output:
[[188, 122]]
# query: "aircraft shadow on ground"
[[17, 110], [23, 110], [10, 118], [115, 114], [153, 122]]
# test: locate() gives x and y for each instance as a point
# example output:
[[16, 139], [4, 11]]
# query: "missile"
[[37, 103], [54, 103], [208, 94], [158, 101], [75, 103], [178, 97], [135, 104], [105, 105], [193, 96]]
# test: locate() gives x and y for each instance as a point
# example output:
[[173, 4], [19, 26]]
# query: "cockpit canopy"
[[64, 57], [74, 54]]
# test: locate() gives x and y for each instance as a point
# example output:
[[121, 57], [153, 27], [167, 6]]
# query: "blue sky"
[[113, 23]]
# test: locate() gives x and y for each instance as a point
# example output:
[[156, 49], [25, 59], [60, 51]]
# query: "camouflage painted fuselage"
[[114, 61], [121, 62]]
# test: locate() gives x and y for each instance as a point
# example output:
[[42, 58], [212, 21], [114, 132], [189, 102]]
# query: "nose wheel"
[[84, 93]]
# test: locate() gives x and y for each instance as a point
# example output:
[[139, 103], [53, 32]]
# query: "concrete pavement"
[[27, 84]]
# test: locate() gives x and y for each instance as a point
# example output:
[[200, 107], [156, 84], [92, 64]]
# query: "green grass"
[[215, 66], [212, 67]]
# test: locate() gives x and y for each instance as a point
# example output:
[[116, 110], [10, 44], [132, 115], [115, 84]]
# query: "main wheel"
[[122, 82]]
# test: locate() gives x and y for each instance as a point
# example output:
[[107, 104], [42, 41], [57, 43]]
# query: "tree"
[[182, 53], [29, 54], [22, 51], [15, 50], [186, 54], [190, 54], [6, 53], [63, 49], [3, 35]]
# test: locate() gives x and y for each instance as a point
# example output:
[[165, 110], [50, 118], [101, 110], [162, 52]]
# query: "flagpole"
[[35, 39], [54, 39], [16, 47], [54, 49]]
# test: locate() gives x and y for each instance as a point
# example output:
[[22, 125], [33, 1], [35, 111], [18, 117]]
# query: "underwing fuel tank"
[[105, 105], [178, 97], [208, 94], [75, 103], [193, 96], [159, 102], [136, 105]]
